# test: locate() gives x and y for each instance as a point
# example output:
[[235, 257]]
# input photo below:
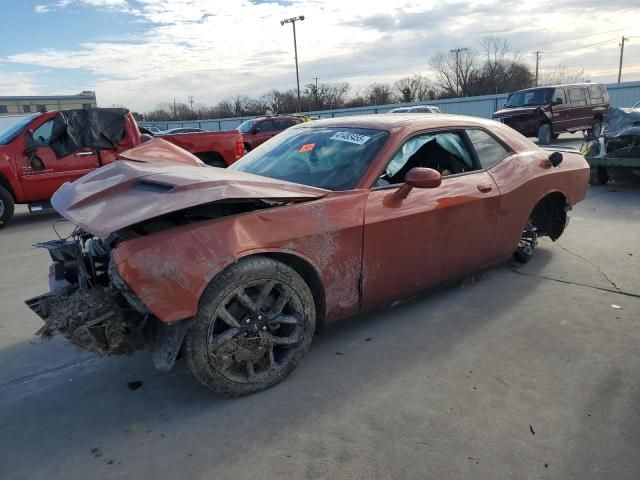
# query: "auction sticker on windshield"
[[350, 137]]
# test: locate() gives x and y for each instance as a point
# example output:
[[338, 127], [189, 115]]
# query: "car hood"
[[510, 112], [125, 193], [159, 150]]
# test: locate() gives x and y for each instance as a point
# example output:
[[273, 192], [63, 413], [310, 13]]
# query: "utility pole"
[[457, 52], [537, 54], [316, 91], [293, 21], [191, 103], [621, 54], [175, 111]]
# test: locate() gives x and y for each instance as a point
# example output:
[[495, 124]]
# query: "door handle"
[[83, 154], [485, 187]]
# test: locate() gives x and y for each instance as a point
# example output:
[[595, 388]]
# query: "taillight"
[[239, 147]]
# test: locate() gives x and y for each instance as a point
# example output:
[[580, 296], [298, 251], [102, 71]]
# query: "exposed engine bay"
[[92, 306], [88, 302]]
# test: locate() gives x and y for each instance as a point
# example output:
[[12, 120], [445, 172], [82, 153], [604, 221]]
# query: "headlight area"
[[89, 303]]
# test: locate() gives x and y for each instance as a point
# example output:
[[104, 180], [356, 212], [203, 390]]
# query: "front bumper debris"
[[85, 305]]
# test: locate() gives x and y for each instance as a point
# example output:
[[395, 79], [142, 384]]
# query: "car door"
[[42, 177], [560, 110], [432, 235], [263, 132], [580, 112]]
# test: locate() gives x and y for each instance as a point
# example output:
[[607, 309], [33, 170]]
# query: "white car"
[[416, 109]]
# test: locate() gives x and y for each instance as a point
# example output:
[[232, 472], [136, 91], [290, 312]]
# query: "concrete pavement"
[[522, 372]]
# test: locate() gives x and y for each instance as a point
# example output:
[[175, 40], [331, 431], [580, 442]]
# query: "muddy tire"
[[545, 132], [212, 159], [254, 323], [6, 208]]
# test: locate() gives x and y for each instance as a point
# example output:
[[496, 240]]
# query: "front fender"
[[170, 270]]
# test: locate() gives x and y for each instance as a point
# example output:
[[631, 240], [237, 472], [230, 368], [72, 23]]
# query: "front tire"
[[7, 207], [545, 133], [255, 322]]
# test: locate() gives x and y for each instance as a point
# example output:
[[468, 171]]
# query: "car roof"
[[580, 84], [399, 120]]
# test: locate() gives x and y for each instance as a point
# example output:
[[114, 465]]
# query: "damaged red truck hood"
[[125, 193]]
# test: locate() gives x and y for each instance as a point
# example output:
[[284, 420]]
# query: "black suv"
[[545, 112]]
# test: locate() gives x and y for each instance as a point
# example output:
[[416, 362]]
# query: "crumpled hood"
[[512, 112], [125, 193]]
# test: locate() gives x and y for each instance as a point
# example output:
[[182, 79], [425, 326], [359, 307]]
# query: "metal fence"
[[620, 95]]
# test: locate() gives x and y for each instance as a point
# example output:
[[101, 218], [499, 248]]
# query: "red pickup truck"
[[36, 158]]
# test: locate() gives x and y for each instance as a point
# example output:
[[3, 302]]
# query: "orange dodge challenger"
[[238, 267]]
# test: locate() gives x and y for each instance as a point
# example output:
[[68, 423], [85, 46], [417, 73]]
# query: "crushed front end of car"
[[88, 302], [117, 283]]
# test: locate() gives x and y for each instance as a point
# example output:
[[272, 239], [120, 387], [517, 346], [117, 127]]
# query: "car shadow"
[[28, 219], [69, 406]]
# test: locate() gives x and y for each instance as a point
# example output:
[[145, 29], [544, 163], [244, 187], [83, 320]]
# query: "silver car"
[[416, 109]]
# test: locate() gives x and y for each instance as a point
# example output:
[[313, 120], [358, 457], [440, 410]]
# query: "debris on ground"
[[532, 430], [617, 307]]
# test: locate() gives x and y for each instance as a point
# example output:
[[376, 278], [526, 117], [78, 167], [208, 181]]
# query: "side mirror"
[[555, 159], [504, 105], [419, 177], [558, 101], [255, 130]]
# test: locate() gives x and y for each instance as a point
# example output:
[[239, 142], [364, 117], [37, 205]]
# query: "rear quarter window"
[[596, 95], [578, 96], [488, 149]]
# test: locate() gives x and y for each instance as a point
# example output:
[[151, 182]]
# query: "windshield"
[[10, 132], [244, 127], [528, 98], [334, 158]]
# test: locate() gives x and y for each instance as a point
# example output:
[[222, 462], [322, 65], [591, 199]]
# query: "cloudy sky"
[[140, 52]]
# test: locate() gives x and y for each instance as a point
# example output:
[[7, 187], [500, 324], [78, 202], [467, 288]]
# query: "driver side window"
[[42, 134], [446, 152], [265, 126]]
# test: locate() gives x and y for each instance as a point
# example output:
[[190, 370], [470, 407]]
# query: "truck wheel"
[[255, 322], [544, 134], [596, 127], [601, 176], [6, 207], [212, 159]]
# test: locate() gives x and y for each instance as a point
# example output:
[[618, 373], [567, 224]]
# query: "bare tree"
[[558, 74], [413, 88], [454, 71], [495, 50], [326, 95], [380, 94]]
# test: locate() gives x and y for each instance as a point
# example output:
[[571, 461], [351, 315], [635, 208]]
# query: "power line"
[[572, 38], [583, 47]]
